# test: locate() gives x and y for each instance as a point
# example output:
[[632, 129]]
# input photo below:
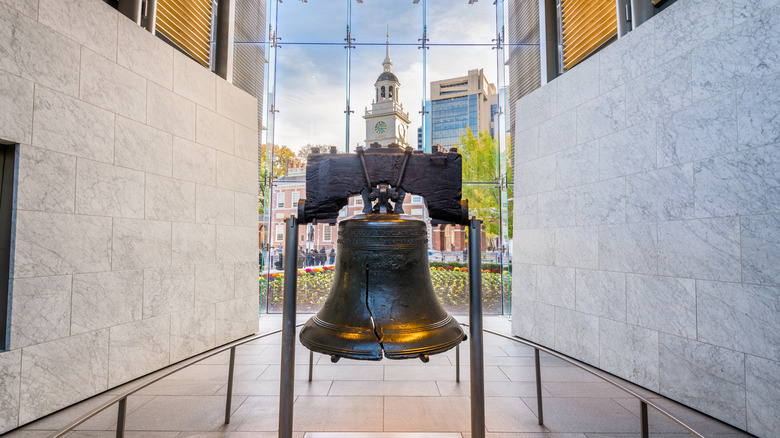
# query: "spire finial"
[[387, 63]]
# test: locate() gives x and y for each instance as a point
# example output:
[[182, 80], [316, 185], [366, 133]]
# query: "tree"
[[303, 153], [282, 154], [481, 180]]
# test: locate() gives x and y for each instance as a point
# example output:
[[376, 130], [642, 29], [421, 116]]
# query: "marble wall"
[[135, 225], [647, 210]]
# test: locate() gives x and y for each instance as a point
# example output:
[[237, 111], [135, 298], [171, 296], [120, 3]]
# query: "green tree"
[[282, 154], [303, 153]]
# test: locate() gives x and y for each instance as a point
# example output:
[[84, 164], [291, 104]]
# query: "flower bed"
[[450, 284]]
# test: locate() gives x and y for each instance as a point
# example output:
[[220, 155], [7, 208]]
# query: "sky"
[[311, 78]]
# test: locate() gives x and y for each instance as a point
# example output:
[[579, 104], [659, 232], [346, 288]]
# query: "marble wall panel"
[[556, 209], [558, 133], [246, 279], [630, 248], [524, 282], [41, 251], [525, 208], [236, 104], [666, 304], [59, 373], [192, 332], [193, 244], [603, 202], [577, 247], [704, 130], [601, 293], [215, 283], [47, 180], [629, 59], [757, 121], [236, 173], [535, 176], [140, 244], [168, 290], [743, 183], [535, 246], [628, 151], [763, 395], [170, 112], [663, 90], [629, 351], [247, 142], [760, 244], [194, 162], [40, 310], [246, 214], [660, 195], [685, 25], [577, 334], [27, 7], [705, 377], [537, 106], [91, 23], [10, 381], [216, 206], [534, 321], [743, 317], [138, 348], [602, 116], [577, 166], [142, 147], [555, 286], [145, 54], [214, 130], [194, 82], [106, 190], [109, 86], [236, 318], [106, 299], [16, 99], [64, 124], [747, 9], [38, 53], [741, 55], [580, 86], [169, 199], [234, 244], [526, 144], [707, 249]]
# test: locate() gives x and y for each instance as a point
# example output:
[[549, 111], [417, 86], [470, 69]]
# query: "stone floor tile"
[[427, 414], [583, 389], [183, 387], [344, 372], [182, 413], [383, 388], [271, 387], [549, 374], [701, 423], [218, 372], [381, 435], [332, 414], [492, 389], [586, 415], [510, 414], [428, 372], [256, 414]]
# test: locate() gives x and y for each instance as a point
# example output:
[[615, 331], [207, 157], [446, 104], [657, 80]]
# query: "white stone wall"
[[135, 230], [647, 210]]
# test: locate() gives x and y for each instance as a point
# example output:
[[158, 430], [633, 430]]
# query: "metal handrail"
[[161, 374], [644, 402]]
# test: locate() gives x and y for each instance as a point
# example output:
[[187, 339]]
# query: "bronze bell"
[[381, 302]]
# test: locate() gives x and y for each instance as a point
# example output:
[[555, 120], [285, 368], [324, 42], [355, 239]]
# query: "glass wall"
[[326, 64]]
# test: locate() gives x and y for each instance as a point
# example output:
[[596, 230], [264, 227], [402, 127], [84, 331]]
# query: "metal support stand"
[[538, 386], [644, 419], [120, 418], [286, 381], [457, 363], [475, 330], [230, 384], [311, 363]]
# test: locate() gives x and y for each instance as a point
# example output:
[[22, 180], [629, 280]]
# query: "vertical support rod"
[[286, 381], [475, 330], [230, 384], [457, 363], [120, 418], [538, 387], [311, 363], [223, 66], [645, 424]]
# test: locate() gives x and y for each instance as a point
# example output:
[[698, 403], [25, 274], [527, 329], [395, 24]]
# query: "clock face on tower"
[[380, 127]]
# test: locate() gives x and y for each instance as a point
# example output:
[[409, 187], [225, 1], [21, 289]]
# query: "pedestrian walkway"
[[384, 399]]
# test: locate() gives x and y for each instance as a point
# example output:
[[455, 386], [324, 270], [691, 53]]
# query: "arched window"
[[382, 92], [390, 92]]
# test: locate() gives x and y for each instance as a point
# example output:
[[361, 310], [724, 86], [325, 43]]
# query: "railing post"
[[287, 376], [311, 363], [645, 423], [475, 330], [457, 363], [230, 384], [538, 386], [120, 418]]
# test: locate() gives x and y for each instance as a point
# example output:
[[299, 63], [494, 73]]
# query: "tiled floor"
[[387, 399]]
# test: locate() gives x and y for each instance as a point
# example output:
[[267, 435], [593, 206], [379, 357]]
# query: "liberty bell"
[[382, 302]]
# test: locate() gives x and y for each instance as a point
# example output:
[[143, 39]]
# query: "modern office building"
[[458, 104]]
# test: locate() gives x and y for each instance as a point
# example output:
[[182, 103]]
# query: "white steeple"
[[387, 63]]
